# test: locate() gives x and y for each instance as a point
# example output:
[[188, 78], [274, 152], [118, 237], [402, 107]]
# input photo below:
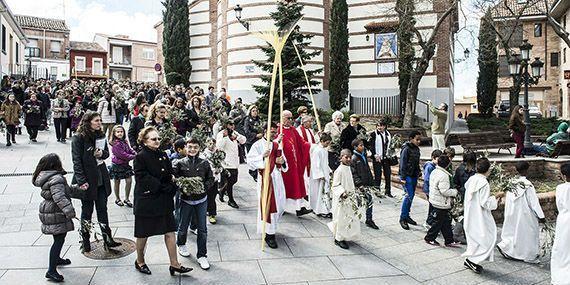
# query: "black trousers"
[[33, 131], [60, 125], [442, 223], [55, 251], [229, 183], [212, 193], [100, 205], [10, 133], [379, 167]]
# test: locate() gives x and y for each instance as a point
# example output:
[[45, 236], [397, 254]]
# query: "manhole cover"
[[98, 251]]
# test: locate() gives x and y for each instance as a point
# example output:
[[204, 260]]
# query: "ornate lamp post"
[[238, 11], [518, 68]]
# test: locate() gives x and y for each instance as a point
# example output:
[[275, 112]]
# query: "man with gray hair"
[[438, 125]]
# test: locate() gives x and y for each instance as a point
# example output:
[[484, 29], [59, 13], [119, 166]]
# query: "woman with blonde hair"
[[157, 117]]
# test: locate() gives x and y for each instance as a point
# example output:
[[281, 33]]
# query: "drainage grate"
[[20, 174]]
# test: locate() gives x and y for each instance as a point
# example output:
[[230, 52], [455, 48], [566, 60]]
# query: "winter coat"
[[106, 116], [86, 168], [194, 167], [76, 114], [63, 104], [122, 152], [154, 188], [33, 111], [182, 126], [460, 178], [440, 193], [428, 168], [372, 143], [516, 125], [11, 112], [46, 102], [361, 170], [137, 124], [409, 161], [348, 135], [193, 120], [89, 103], [439, 120], [56, 210], [250, 125]]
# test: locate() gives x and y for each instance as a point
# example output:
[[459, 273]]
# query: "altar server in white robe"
[[480, 228], [560, 258], [520, 237], [319, 183], [256, 160], [345, 224]]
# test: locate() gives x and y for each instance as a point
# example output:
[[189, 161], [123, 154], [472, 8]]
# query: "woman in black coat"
[[89, 150], [33, 116], [136, 125], [351, 132], [154, 200]]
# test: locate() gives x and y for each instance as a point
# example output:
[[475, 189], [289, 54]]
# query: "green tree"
[[176, 42], [406, 52], [339, 64], [294, 83], [488, 67]]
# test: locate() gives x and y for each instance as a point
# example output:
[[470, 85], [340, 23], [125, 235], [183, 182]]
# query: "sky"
[[136, 18]]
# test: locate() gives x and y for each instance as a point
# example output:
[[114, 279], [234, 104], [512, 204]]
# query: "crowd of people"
[[184, 148]]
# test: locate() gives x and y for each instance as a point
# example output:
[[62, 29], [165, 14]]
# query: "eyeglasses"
[[155, 139]]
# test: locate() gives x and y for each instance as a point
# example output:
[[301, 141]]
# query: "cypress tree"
[[294, 83], [176, 42], [339, 63], [488, 67]]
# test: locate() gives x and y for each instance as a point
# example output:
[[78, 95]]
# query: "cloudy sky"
[[136, 18]]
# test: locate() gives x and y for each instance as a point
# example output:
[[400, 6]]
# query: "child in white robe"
[[319, 183], [479, 224], [560, 258], [345, 224], [520, 237]]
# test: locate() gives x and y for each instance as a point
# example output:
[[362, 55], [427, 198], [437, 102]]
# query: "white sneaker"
[[183, 250], [426, 226], [195, 232], [204, 263]]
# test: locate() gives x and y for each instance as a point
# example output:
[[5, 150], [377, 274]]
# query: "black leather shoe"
[[142, 268], [180, 270], [371, 224], [303, 211], [221, 196], [270, 241], [233, 204], [474, 267], [411, 222], [342, 244], [404, 225], [54, 276], [62, 261]]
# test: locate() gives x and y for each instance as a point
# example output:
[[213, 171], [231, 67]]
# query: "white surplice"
[[480, 227], [255, 160], [345, 225], [560, 259], [520, 237], [319, 181], [312, 138]]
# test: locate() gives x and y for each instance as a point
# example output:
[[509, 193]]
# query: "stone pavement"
[[306, 253]]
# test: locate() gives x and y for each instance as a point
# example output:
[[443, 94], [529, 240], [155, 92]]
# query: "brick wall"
[[44, 42]]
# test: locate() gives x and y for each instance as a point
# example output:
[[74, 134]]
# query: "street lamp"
[[518, 68], [238, 11]]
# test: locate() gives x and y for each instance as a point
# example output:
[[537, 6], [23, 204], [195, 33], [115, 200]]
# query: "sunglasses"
[[155, 139]]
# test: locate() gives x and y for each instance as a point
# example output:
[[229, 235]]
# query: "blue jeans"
[[187, 212], [369, 208], [410, 188]]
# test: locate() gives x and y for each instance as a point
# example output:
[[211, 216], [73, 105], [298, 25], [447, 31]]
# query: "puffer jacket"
[[193, 166], [11, 112], [59, 108], [56, 211], [106, 116], [440, 193]]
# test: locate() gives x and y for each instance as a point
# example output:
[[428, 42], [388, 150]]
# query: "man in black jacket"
[[409, 173], [194, 204], [137, 124], [351, 132], [362, 176], [378, 144]]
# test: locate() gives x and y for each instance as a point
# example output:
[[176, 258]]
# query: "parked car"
[[504, 110], [534, 112]]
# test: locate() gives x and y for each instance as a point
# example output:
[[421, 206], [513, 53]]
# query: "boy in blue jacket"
[[428, 168]]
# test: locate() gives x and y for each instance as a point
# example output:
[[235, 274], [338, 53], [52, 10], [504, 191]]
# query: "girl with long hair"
[[518, 128], [120, 168]]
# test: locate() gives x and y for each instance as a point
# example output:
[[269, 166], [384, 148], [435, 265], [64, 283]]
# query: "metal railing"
[[88, 71], [375, 105], [32, 52], [31, 71]]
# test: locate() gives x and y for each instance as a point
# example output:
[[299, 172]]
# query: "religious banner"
[[386, 46]]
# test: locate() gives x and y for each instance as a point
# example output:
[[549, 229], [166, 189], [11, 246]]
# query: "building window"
[[149, 76], [55, 46], [386, 67], [538, 30], [554, 59], [53, 71], [522, 1], [17, 53], [97, 66], [3, 38], [249, 69], [79, 63], [564, 55], [148, 53]]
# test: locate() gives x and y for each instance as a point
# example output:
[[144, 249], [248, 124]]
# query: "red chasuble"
[[275, 153], [296, 151]]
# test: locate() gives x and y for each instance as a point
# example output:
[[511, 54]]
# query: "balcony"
[[88, 73], [124, 62], [32, 52]]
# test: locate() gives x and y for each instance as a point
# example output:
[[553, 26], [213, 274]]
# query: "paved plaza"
[[306, 253]]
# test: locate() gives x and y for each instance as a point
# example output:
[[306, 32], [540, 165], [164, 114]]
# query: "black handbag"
[[393, 160]]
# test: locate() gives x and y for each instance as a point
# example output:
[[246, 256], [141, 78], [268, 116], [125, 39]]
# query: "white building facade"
[[12, 41], [561, 11], [222, 51]]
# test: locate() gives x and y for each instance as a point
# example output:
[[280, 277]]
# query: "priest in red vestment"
[[305, 130], [296, 152]]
